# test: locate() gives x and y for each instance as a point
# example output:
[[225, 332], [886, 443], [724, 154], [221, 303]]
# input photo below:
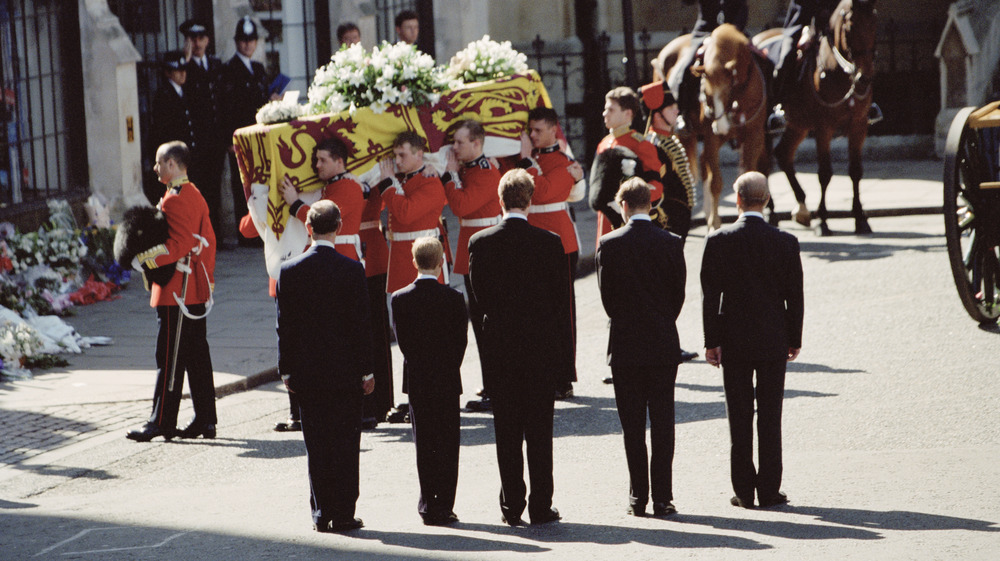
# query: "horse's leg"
[[785, 154], [713, 180], [825, 172], [855, 141]]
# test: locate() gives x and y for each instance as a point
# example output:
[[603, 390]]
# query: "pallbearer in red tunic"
[[554, 173], [191, 239], [621, 106], [470, 184], [414, 201], [330, 165]]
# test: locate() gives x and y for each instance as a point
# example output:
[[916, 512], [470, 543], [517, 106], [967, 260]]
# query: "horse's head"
[[854, 25], [725, 74]]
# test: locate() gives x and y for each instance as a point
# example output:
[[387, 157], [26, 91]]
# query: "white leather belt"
[[411, 236], [554, 207], [482, 222], [371, 224], [352, 239]]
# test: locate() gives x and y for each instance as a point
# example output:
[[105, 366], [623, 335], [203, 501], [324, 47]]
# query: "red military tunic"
[[345, 191], [376, 250], [415, 206], [553, 182], [188, 224], [651, 172], [473, 198]]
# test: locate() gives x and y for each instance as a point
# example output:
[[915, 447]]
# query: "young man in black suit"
[[520, 278], [325, 357], [751, 279], [432, 331], [641, 274]]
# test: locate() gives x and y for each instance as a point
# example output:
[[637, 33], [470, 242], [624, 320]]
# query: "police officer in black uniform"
[[171, 118], [244, 91], [202, 90]]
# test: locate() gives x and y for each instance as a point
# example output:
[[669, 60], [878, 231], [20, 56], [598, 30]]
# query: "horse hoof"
[[716, 222], [861, 227], [802, 215], [823, 230]]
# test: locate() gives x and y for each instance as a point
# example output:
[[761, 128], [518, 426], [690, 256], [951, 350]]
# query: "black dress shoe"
[[774, 500], [549, 516], [400, 414], [511, 520], [291, 425], [369, 423], [636, 510], [736, 501], [608, 380], [194, 430], [664, 509], [564, 393], [480, 405], [346, 525], [482, 392], [323, 526], [440, 519], [149, 431], [688, 355]]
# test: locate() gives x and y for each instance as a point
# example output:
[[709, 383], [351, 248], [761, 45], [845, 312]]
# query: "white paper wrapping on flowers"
[[56, 336]]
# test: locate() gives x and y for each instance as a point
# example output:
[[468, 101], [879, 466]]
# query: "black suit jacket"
[[520, 277], [172, 117], [751, 279], [243, 93], [324, 332], [202, 88], [431, 327], [641, 274]]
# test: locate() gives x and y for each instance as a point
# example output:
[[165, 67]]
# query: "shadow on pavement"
[[811, 367], [569, 532], [894, 519], [833, 252], [780, 529], [28, 433]]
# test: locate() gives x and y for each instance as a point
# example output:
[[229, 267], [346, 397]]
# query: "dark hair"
[[177, 151], [546, 114], [635, 192], [516, 188], [412, 138], [332, 145], [343, 28], [627, 99], [404, 16], [475, 128], [324, 217]]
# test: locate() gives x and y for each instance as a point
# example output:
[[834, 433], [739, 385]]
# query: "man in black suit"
[[202, 89], [751, 279], [520, 278], [432, 331], [641, 274], [244, 91], [324, 356]]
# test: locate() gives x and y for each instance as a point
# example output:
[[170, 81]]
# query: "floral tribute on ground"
[[43, 274]]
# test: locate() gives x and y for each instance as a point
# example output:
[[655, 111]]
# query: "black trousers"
[[193, 357], [522, 416], [476, 319], [639, 390], [206, 173], [379, 402], [435, 422], [769, 390], [331, 429]]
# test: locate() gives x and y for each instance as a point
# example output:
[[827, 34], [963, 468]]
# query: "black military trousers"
[[193, 357]]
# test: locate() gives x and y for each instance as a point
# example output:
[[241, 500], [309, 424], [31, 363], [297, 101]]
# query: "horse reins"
[[850, 69]]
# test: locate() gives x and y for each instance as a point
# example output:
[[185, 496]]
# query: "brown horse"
[[733, 108], [834, 93]]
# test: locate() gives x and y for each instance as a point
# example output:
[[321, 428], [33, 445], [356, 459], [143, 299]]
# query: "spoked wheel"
[[972, 212]]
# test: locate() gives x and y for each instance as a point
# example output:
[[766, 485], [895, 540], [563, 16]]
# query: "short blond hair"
[[516, 188], [427, 252]]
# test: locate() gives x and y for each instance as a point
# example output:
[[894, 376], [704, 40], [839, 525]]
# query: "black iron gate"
[[152, 26]]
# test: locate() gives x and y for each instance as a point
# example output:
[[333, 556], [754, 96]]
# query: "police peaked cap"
[[656, 96], [246, 29], [173, 60], [193, 28]]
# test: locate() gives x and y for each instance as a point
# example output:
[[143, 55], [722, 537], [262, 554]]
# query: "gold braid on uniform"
[[679, 162]]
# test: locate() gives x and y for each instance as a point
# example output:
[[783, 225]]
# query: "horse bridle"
[[730, 112], [846, 63]]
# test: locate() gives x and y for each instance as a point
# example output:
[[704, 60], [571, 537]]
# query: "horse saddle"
[[141, 229]]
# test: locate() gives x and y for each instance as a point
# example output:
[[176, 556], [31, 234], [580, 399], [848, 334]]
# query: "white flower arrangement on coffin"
[[391, 74], [486, 59], [278, 111]]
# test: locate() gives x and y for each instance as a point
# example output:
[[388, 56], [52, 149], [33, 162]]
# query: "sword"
[[184, 265]]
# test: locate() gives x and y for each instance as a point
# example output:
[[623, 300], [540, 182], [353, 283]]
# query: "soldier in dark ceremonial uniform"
[[171, 107], [244, 91], [678, 185], [202, 91]]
